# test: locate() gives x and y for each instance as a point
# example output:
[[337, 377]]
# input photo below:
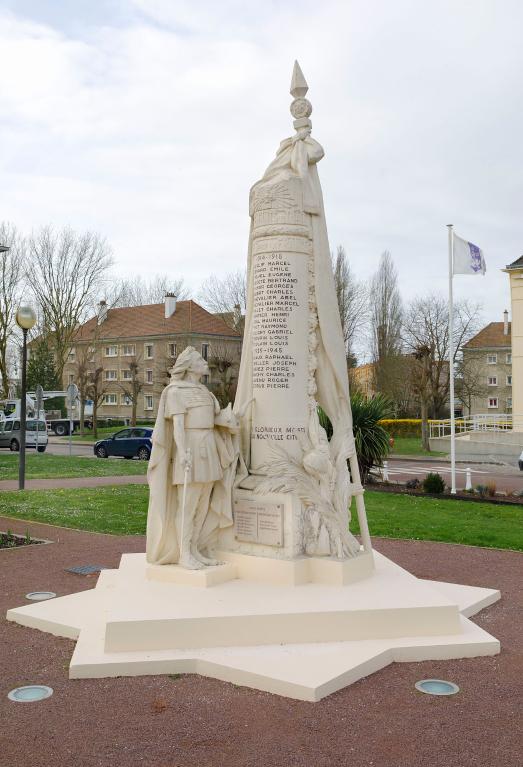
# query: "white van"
[[10, 434]]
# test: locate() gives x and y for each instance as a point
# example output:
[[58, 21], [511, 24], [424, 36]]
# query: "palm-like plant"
[[372, 441]]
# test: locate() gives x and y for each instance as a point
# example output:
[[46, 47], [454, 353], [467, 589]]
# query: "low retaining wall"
[[503, 445]]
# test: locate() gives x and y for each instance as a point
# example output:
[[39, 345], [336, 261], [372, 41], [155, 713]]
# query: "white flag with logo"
[[468, 258]]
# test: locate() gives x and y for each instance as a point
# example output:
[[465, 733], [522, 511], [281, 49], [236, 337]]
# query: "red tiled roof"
[[149, 320], [490, 336]]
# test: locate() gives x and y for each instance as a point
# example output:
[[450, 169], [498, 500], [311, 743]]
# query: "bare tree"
[[426, 337], [96, 390], [353, 300], [67, 271], [385, 320], [82, 378], [138, 291], [226, 296], [133, 386], [470, 379], [224, 365], [12, 276]]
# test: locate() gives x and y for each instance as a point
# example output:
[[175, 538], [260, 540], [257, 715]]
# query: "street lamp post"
[[25, 319]]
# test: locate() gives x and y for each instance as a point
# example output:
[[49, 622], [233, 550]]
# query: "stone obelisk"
[[293, 358], [281, 252]]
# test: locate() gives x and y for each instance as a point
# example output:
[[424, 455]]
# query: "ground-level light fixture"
[[40, 596], [30, 693], [436, 687]]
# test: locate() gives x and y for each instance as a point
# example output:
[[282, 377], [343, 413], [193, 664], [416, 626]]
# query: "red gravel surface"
[[191, 721]]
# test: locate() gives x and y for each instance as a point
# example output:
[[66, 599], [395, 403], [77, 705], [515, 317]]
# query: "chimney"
[[102, 311], [505, 323], [170, 305]]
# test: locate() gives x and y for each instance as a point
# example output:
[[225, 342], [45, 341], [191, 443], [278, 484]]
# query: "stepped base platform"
[[304, 641]]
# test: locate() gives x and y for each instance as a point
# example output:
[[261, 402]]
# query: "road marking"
[[425, 470]]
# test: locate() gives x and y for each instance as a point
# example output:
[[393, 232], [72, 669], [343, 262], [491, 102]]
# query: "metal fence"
[[483, 422]]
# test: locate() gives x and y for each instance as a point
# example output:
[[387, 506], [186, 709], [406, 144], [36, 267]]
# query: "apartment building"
[[133, 348], [487, 361]]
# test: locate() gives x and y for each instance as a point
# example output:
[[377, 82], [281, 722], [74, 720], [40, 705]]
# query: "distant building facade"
[[133, 348], [362, 378], [515, 273], [487, 361]]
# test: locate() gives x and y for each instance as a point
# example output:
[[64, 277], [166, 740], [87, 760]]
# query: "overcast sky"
[[149, 120]]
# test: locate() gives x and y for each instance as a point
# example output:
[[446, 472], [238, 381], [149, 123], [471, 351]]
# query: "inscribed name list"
[[279, 348]]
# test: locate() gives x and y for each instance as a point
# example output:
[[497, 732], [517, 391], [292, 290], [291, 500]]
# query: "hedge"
[[402, 427]]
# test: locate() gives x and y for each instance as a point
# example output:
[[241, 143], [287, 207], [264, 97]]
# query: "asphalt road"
[[505, 478], [400, 470]]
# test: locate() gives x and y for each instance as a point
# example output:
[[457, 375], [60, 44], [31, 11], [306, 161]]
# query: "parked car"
[[10, 434], [127, 443]]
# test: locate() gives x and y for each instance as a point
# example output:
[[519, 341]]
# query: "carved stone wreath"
[[301, 108]]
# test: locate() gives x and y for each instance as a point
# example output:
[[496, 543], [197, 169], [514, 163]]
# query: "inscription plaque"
[[258, 522]]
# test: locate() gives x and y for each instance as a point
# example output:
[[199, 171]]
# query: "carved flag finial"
[[299, 85], [301, 108]]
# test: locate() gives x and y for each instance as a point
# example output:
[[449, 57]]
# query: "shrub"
[[402, 427], [434, 483], [491, 489], [482, 490], [372, 441], [413, 484]]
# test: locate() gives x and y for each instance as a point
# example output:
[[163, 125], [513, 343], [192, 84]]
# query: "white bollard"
[[385, 471], [468, 483]]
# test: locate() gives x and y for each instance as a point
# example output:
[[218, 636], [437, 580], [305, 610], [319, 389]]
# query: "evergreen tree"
[[41, 367]]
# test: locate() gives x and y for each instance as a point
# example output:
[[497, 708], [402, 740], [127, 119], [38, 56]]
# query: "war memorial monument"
[[250, 573]]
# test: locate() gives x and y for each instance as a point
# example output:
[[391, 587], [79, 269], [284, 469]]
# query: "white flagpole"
[[451, 363]]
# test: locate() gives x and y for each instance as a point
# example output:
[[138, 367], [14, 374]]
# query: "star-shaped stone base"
[[302, 641]]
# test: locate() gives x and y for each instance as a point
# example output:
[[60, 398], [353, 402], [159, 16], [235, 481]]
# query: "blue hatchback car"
[[127, 443]]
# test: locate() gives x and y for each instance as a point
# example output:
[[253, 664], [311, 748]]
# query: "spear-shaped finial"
[[299, 85], [301, 108]]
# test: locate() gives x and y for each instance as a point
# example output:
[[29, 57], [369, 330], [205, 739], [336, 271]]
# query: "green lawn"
[[122, 510], [411, 446], [43, 466], [103, 432]]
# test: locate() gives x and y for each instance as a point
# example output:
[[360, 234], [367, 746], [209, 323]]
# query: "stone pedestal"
[[264, 525]]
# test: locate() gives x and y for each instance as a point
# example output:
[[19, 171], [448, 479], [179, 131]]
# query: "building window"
[[126, 400], [110, 399], [509, 380], [172, 350], [509, 403], [148, 402], [205, 351], [71, 378], [492, 380], [90, 354], [111, 351], [149, 351], [492, 402], [205, 380], [72, 355], [492, 359], [111, 375], [509, 358], [129, 350], [126, 375], [149, 376]]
